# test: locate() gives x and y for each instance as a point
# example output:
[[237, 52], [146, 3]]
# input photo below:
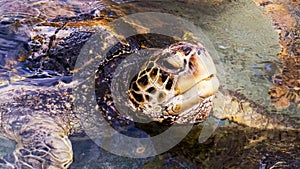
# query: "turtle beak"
[[198, 82], [200, 75], [196, 94]]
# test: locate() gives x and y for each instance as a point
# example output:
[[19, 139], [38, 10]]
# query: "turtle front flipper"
[[237, 108], [41, 141]]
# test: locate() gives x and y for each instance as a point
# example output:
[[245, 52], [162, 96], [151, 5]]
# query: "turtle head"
[[177, 85]]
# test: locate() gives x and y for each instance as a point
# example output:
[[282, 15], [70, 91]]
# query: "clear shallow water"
[[246, 42], [247, 46]]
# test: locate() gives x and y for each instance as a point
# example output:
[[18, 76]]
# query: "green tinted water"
[[247, 48]]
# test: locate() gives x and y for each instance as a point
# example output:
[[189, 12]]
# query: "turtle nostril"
[[200, 51]]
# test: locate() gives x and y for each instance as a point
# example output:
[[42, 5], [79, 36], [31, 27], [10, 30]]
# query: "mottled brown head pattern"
[[177, 84]]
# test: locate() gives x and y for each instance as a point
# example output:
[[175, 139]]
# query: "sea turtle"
[[174, 85], [41, 119]]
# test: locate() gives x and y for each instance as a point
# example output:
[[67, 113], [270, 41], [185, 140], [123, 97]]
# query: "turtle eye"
[[186, 50]]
